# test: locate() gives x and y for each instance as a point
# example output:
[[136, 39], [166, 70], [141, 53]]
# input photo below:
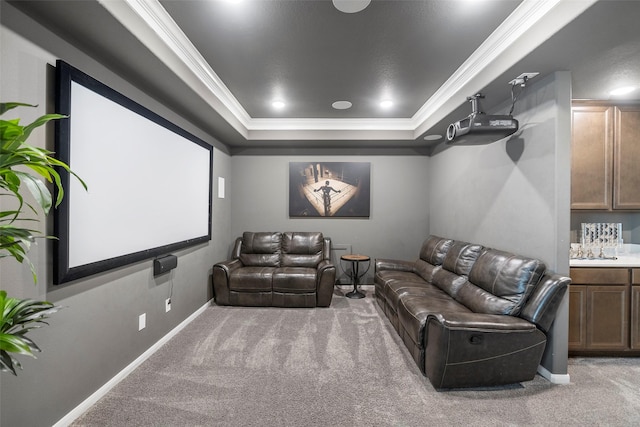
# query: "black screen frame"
[[62, 272]]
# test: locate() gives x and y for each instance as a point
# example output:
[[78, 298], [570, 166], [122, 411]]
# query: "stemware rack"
[[598, 235]]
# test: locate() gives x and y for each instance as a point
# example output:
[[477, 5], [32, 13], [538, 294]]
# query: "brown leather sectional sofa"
[[470, 316], [290, 269]]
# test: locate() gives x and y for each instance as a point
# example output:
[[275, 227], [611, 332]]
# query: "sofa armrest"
[[326, 281], [221, 275], [324, 264], [543, 303], [237, 248], [481, 322], [229, 266], [395, 265]]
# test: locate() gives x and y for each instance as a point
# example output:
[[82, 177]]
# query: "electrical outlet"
[[142, 321], [167, 305]]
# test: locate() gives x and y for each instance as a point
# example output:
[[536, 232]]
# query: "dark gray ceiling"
[[309, 54]]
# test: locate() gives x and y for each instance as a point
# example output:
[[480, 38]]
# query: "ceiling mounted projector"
[[480, 128]]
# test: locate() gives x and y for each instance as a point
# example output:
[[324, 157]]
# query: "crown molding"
[[328, 124], [150, 23], [531, 23]]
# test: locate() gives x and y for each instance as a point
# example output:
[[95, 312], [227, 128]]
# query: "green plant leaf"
[[20, 316], [8, 363], [15, 344], [10, 134], [39, 122], [4, 214], [6, 106], [17, 318], [38, 189]]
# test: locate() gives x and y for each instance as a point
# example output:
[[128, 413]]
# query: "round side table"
[[355, 261]]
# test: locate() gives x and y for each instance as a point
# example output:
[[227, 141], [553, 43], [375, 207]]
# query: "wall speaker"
[[163, 264]]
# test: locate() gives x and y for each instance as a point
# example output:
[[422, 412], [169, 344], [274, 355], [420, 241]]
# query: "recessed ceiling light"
[[278, 104], [621, 91], [341, 105], [433, 137], [351, 6], [387, 103]]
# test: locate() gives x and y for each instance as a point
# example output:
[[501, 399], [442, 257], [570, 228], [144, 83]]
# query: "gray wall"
[[96, 335], [399, 219], [514, 194]]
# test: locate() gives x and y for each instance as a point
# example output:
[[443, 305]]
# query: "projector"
[[480, 128]]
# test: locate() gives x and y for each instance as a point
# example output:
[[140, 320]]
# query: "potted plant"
[[23, 166]]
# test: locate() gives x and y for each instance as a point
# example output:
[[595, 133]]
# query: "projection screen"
[[149, 181]]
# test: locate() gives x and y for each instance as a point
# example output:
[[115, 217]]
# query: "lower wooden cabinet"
[[607, 317], [635, 309], [604, 311], [635, 317], [577, 317]]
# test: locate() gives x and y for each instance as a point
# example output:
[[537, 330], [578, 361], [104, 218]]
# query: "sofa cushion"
[[501, 282], [460, 257], [295, 279], [434, 249], [449, 282], [425, 269], [261, 249], [406, 276], [251, 279], [395, 291], [481, 301], [302, 249]]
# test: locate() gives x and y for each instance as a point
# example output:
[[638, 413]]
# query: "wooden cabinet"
[[577, 317], [605, 149], [635, 317], [626, 192], [591, 156], [607, 317], [635, 309], [599, 309]]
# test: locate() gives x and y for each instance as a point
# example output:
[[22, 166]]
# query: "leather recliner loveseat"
[[470, 316], [290, 269]]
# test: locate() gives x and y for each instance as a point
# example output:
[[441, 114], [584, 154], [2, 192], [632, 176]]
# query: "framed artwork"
[[329, 189]]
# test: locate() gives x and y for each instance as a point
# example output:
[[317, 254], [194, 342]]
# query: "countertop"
[[628, 256]]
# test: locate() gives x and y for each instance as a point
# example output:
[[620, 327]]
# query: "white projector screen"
[[149, 181]]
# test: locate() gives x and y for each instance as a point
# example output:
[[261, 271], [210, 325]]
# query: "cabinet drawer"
[[600, 276], [635, 276]]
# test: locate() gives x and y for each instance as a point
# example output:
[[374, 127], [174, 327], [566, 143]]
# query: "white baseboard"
[[554, 378], [91, 400]]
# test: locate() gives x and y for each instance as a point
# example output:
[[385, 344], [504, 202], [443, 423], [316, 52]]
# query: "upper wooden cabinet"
[[626, 193], [591, 156], [605, 149]]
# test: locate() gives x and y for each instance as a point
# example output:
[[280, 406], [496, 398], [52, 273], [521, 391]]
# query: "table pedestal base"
[[355, 294]]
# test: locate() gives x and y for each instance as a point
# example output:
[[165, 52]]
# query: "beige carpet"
[[341, 366]]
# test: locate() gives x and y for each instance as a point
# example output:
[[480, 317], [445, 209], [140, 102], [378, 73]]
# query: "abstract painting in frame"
[[329, 189]]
